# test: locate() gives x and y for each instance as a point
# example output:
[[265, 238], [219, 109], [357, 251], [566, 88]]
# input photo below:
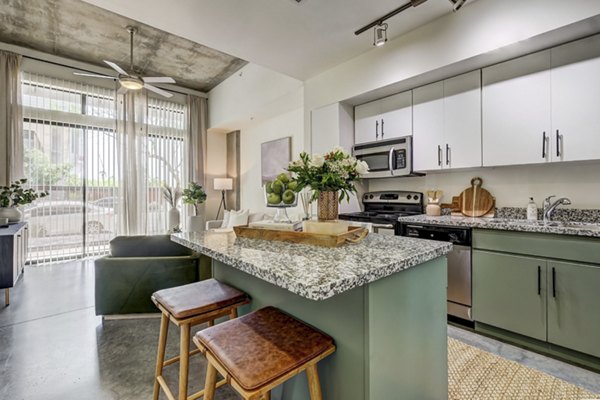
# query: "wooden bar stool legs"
[[187, 306], [160, 354], [233, 350]]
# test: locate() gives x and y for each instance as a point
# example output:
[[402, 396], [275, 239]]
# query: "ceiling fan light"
[[131, 83]]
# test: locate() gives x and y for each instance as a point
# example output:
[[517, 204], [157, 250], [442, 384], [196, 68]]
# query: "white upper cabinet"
[[383, 119], [462, 120], [516, 108], [396, 115], [576, 101], [428, 120], [447, 123]]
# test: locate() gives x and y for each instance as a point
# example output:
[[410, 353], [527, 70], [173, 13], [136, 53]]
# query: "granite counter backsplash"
[[589, 216], [574, 228]]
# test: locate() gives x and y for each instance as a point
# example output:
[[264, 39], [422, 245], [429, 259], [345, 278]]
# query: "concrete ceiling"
[[84, 32], [299, 39]]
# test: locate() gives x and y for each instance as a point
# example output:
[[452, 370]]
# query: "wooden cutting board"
[[476, 201]]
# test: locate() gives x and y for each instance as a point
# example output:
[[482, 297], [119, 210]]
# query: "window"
[[70, 149]]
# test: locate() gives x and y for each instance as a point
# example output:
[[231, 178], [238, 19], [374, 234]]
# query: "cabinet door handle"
[[558, 143], [544, 145], [447, 154], [382, 128], [439, 155], [376, 130], [553, 282], [539, 280]]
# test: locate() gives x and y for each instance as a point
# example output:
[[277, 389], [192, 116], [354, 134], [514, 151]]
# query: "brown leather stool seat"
[[185, 306], [261, 350]]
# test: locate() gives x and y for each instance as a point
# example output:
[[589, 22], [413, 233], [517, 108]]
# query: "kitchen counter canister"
[[316, 273], [505, 224]]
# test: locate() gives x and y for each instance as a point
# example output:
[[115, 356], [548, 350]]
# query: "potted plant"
[[195, 195], [331, 176], [13, 196]]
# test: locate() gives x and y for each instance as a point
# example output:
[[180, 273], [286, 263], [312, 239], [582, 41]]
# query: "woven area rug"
[[474, 374]]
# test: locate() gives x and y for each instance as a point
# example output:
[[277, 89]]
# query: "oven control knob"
[[408, 197], [371, 196], [416, 197], [366, 196]]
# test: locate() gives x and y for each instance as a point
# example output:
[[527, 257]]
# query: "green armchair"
[[140, 265]]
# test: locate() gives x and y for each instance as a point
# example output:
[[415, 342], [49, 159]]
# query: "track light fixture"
[[457, 4], [380, 31], [380, 34]]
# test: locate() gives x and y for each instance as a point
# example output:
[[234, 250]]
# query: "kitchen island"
[[382, 300]]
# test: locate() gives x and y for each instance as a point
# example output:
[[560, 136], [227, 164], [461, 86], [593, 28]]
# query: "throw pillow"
[[238, 218], [226, 216]]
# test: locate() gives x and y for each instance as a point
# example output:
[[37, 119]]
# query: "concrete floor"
[[52, 346]]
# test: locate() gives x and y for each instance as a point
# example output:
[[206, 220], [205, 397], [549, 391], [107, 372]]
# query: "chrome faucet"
[[550, 207]]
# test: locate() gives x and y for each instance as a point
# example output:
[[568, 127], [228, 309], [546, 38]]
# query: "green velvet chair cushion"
[[147, 246]]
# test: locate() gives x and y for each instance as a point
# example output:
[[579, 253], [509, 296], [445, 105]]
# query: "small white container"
[[532, 211]]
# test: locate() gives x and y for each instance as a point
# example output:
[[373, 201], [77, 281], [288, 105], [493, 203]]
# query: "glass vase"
[[328, 205]]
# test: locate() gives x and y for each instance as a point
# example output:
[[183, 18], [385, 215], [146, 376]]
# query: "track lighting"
[[457, 4], [380, 34], [380, 28]]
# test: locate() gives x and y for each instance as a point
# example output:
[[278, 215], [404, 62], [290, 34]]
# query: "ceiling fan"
[[130, 80]]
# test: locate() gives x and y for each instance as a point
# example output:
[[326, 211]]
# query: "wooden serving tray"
[[355, 234]]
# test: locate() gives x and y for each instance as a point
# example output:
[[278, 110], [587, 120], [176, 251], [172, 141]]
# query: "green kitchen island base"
[[391, 334]]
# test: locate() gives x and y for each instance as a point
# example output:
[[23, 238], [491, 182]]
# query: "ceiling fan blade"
[[116, 67], [158, 79], [94, 75], [122, 90], [158, 91]]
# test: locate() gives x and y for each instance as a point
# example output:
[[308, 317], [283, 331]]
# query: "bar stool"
[[186, 306], [260, 351]]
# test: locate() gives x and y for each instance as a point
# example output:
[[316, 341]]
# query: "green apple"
[[268, 187], [277, 186], [274, 198], [292, 185], [283, 177], [288, 197]]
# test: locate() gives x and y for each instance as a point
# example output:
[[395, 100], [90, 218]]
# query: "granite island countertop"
[[507, 224], [316, 273]]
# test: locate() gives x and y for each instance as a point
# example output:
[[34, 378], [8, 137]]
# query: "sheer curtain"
[[132, 135], [11, 118], [197, 138]]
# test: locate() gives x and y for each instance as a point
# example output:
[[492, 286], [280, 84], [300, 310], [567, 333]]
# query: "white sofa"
[[252, 217]]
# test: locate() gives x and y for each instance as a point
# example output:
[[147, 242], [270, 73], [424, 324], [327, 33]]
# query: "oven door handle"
[[383, 226], [391, 159]]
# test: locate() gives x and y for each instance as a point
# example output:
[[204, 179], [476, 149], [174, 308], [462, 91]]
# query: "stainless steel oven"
[[459, 262], [387, 158]]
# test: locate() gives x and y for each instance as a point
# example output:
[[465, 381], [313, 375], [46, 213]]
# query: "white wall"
[[482, 27], [216, 167], [264, 105], [283, 125], [251, 95], [511, 186], [260, 102], [481, 33]]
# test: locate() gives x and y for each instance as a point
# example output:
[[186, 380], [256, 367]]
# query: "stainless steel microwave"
[[386, 158]]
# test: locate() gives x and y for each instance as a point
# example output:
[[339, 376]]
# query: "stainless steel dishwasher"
[[459, 262]]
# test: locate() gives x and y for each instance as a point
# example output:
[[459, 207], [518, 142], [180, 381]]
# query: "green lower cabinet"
[[574, 306], [509, 291]]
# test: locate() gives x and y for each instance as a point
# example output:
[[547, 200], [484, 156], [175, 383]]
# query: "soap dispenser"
[[532, 212]]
